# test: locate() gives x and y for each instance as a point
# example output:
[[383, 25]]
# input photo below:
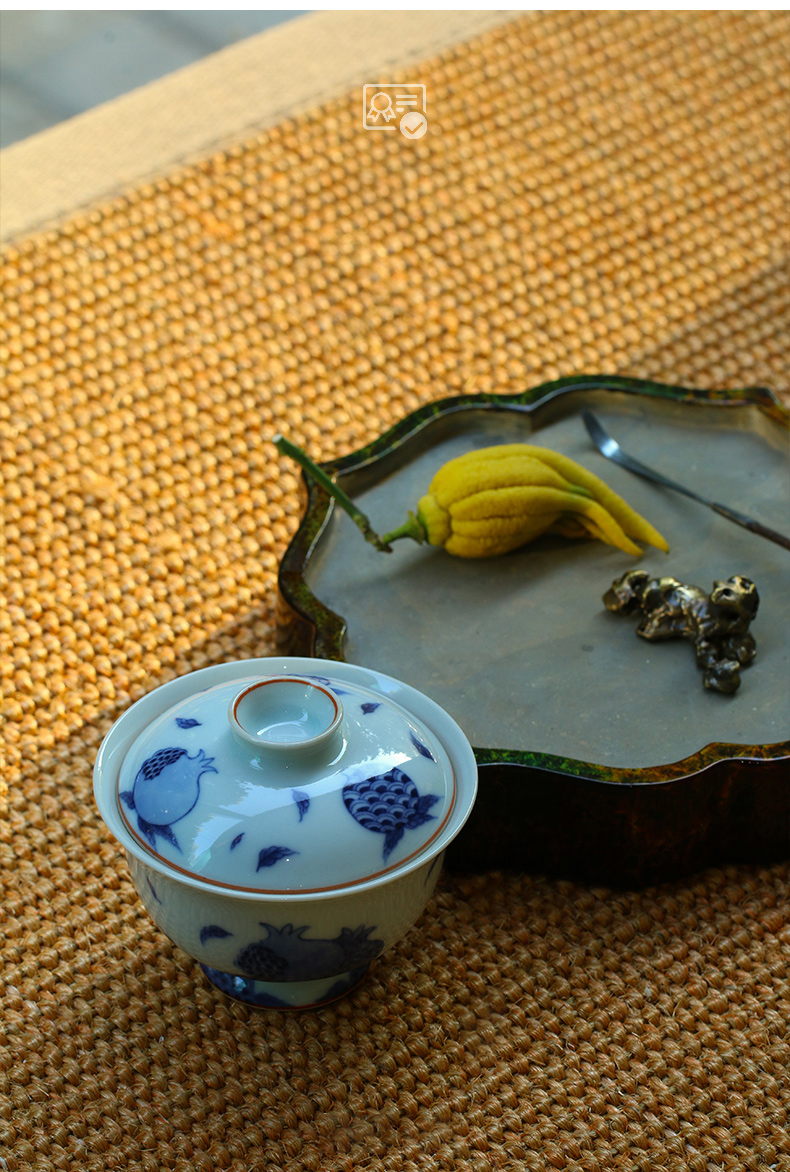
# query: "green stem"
[[412, 528], [357, 516]]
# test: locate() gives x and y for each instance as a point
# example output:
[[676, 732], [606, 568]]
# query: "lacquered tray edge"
[[528, 819], [530, 400]]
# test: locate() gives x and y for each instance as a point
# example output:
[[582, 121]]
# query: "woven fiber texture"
[[596, 192]]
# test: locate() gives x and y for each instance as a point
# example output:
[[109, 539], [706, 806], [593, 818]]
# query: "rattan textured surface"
[[596, 192]]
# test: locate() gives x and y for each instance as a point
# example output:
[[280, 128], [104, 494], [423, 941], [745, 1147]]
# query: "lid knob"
[[285, 714]]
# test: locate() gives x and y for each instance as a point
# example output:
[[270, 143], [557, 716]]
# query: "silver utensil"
[[611, 449]]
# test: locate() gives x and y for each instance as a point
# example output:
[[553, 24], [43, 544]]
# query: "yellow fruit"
[[493, 500]]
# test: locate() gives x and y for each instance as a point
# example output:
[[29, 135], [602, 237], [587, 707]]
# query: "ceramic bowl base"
[[285, 994]]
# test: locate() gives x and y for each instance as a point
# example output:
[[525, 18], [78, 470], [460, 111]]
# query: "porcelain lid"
[[286, 784]]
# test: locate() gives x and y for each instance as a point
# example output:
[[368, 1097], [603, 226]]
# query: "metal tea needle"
[[610, 448]]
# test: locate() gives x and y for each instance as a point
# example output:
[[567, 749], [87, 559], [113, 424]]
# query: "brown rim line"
[[285, 680], [287, 893]]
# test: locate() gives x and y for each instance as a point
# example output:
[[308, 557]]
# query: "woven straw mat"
[[597, 192]]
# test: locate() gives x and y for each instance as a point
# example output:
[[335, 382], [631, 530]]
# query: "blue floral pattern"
[[422, 749], [272, 854], [302, 802], [329, 684], [285, 955], [213, 932], [388, 804], [252, 992], [165, 789]]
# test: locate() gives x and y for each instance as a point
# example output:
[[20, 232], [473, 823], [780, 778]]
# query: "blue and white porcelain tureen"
[[285, 819]]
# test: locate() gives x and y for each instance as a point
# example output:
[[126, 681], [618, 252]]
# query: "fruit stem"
[[360, 519], [412, 528]]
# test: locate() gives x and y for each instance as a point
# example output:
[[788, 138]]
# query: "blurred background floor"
[[56, 64]]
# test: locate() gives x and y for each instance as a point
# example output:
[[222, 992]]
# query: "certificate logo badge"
[[386, 106]]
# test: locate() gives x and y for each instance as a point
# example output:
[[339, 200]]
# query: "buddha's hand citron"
[[493, 500]]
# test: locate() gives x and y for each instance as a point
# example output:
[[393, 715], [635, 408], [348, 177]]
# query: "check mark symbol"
[[413, 125]]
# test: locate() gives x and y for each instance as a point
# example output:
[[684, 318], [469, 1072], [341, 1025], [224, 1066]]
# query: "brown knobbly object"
[[716, 624]]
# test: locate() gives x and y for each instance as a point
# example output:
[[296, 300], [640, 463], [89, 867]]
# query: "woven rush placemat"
[[598, 191]]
